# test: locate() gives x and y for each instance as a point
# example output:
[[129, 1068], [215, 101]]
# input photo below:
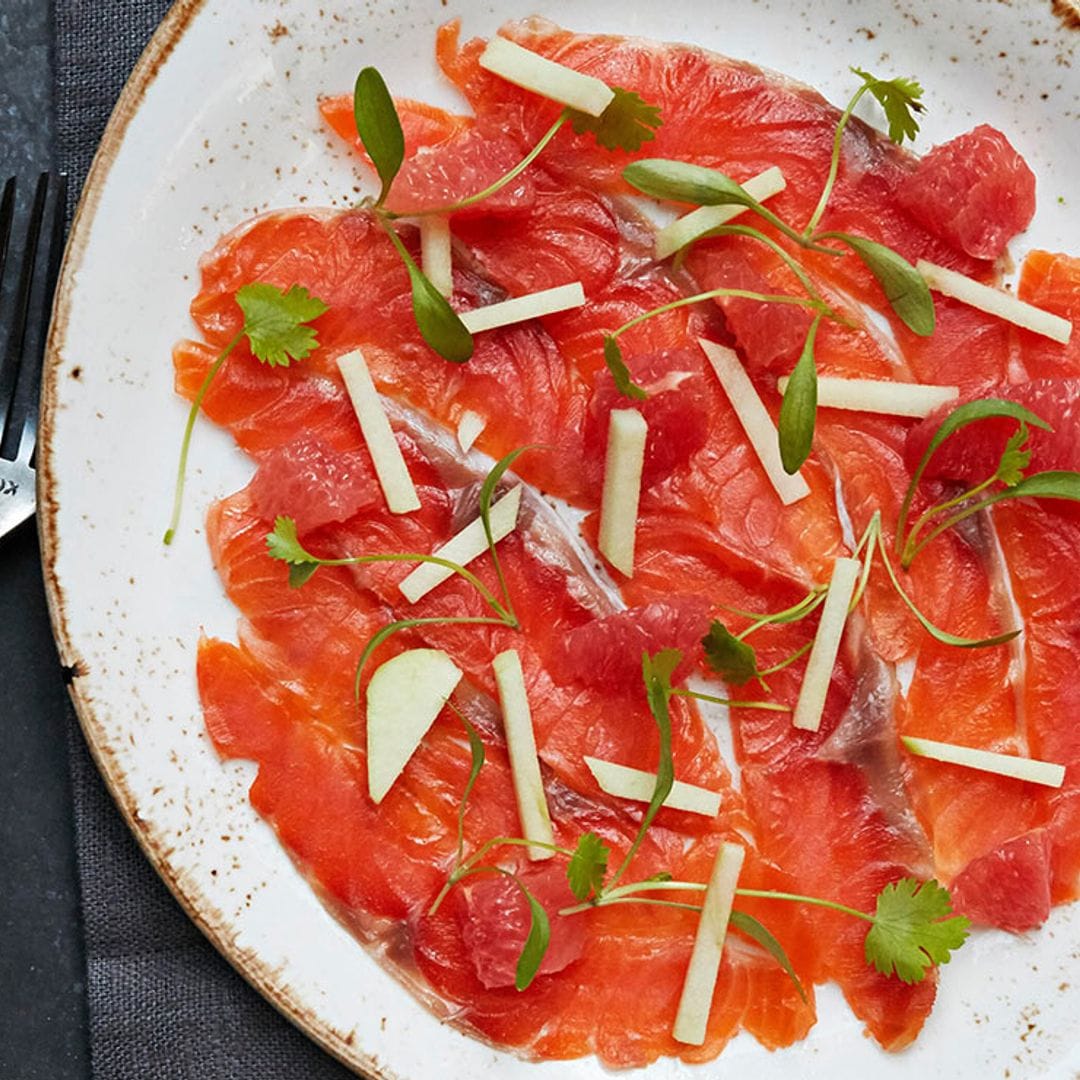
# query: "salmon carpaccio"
[[837, 813]]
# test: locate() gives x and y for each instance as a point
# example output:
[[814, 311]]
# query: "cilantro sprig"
[[736, 662], [588, 866], [900, 100], [656, 672], [276, 324], [613, 356], [626, 124], [914, 929], [284, 545]]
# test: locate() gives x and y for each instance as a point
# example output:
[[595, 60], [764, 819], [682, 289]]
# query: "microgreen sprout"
[[613, 356], [625, 124], [1009, 473], [904, 288], [283, 544]]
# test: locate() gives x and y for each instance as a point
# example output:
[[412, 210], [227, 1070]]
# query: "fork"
[[25, 303]]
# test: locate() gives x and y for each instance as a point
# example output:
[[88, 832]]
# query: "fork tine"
[[41, 311], [7, 215], [9, 371]]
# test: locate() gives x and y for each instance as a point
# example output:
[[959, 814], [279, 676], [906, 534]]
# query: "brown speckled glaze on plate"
[[217, 123]]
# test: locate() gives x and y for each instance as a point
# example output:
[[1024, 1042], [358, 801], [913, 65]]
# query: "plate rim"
[[197, 907]]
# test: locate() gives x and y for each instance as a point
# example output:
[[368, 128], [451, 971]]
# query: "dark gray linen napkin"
[[163, 1005]]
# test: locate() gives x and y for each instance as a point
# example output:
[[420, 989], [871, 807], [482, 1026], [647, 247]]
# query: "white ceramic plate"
[[218, 123]]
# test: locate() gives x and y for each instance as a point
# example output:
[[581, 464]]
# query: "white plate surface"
[[218, 123]]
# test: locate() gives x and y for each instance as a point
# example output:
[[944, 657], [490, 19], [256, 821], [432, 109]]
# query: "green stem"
[[384, 220], [469, 865], [814, 901], [768, 706], [640, 900], [487, 595], [658, 690], [801, 651], [777, 616], [868, 540], [712, 294], [476, 764], [792, 614], [908, 554], [799, 238], [943, 635], [461, 874], [406, 624], [509, 611], [792, 263], [948, 523], [196, 406], [617, 895], [491, 189], [870, 533], [834, 164]]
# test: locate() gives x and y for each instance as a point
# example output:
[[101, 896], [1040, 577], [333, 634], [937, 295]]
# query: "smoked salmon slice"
[[298, 735]]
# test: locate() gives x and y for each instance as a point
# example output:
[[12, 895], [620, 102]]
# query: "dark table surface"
[[43, 1029]]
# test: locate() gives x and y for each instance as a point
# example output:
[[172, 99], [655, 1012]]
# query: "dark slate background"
[[42, 1003]]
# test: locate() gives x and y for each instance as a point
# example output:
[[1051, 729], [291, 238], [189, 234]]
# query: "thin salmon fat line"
[[795, 510]]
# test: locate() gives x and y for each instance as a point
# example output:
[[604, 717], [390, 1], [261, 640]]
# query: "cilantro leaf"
[[624, 382], [625, 124], [899, 98], [274, 322], [588, 868], [1015, 458], [273, 326], [284, 543], [914, 928], [732, 659]]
